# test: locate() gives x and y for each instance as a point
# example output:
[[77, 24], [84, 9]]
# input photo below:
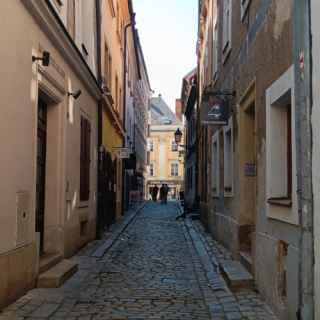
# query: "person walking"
[[154, 195], [162, 192], [165, 191]]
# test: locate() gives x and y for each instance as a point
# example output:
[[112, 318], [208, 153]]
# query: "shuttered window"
[[85, 136]]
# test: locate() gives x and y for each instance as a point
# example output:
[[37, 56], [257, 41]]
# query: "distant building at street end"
[[166, 161]]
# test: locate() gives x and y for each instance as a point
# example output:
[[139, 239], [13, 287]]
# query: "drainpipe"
[[99, 142], [303, 97], [124, 107]]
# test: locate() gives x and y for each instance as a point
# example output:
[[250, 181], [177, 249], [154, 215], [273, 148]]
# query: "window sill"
[[281, 202]]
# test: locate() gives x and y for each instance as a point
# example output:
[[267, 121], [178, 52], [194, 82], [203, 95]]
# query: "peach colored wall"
[[18, 115]]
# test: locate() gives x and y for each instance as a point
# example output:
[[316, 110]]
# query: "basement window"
[[228, 159], [215, 183]]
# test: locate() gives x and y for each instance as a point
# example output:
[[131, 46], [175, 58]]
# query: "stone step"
[[246, 260], [48, 260], [56, 276], [236, 275]]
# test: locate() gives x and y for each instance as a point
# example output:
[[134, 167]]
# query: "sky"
[[168, 31]]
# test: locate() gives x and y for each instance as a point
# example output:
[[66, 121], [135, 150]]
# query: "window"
[[58, 4], [227, 24], [174, 146], [151, 145], [174, 169], [215, 51], [151, 168], [118, 22], [85, 136], [107, 66], [215, 164], [116, 93], [280, 149], [228, 158], [244, 8], [71, 19], [113, 14]]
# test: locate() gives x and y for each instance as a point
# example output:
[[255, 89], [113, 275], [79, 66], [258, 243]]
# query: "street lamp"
[[178, 136]]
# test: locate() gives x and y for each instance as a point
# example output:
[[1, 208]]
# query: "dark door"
[[41, 169]]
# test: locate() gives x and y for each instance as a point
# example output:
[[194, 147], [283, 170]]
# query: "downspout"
[[99, 191], [303, 108], [124, 109]]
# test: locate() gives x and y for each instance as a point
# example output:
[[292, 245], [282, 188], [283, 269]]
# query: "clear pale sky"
[[168, 30]]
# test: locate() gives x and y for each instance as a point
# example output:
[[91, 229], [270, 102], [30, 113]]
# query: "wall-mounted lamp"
[[178, 136], [45, 58], [75, 95]]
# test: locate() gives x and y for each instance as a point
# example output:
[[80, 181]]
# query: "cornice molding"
[[50, 25]]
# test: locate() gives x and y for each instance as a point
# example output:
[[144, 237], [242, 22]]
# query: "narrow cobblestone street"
[[156, 269]]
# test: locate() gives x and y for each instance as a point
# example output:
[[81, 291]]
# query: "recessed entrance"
[[41, 170], [248, 165]]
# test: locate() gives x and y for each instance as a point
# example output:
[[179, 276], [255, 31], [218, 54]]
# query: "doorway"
[[41, 170], [249, 185]]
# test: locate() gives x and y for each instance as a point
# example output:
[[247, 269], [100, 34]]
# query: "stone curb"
[[101, 250]]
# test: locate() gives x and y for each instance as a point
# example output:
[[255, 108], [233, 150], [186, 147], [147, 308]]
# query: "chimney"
[[179, 109]]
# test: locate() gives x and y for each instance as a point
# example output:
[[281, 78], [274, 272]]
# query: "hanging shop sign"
[[214, 110], [124, 153]]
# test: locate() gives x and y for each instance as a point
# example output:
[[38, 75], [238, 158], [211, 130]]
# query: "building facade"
[[189, 108], [138, 92], [49, 164], [115, 20], [248, 168], [166, 163]]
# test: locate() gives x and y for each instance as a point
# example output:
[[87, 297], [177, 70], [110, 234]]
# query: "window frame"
[[279, 206], [152, 169], [215, 165], [174, 146], [173, 171], [151, 145]]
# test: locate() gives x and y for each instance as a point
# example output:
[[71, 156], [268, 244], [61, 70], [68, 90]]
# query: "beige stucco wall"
[[18, 137]]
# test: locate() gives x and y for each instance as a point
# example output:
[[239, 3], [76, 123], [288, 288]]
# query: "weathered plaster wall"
[[261, 52], [315, 31]]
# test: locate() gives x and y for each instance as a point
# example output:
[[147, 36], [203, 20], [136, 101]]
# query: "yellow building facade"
[[115, 21], [166, 158]]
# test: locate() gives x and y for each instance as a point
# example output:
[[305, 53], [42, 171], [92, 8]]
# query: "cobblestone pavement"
[[155, 270]]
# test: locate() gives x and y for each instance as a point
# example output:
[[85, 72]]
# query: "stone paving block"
[[44, 311]]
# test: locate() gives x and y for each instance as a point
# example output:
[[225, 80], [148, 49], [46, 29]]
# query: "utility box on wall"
[[23, 218]]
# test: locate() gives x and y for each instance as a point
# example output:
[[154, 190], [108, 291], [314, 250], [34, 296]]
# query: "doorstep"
[[246, 260], [48, 260], [57, 275], [236, 275]]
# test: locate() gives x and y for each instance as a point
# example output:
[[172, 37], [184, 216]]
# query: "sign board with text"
[[124, 153], [214, 110]]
